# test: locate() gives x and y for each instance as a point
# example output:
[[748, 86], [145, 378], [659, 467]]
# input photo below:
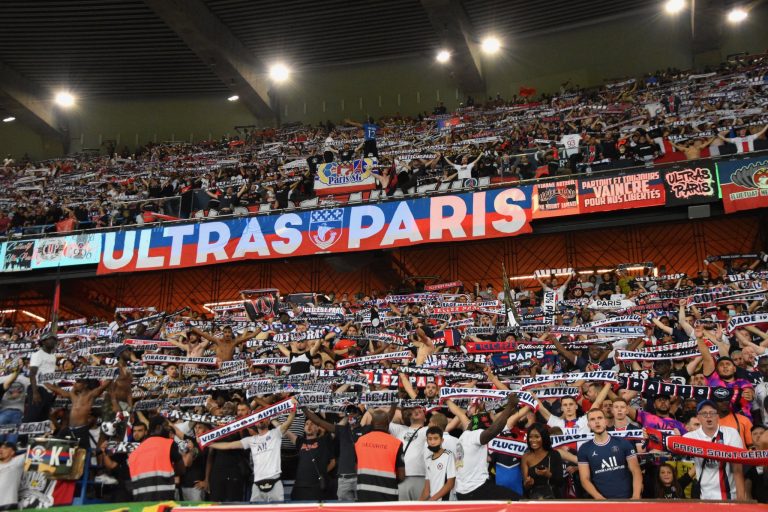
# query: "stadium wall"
[[679, 246]]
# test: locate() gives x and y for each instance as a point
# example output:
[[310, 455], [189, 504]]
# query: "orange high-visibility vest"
[[151, 470], [376, 458]]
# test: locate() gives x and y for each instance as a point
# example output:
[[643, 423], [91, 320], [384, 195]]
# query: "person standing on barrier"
[[380, 464], [608, 466], [718, 480]]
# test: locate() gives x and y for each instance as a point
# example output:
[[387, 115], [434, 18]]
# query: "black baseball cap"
[[9, 444], [705, 403]]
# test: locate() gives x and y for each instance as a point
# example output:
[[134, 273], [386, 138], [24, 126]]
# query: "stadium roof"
[[130, 48]]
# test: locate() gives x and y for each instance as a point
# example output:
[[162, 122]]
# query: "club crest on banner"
[[325, 227]]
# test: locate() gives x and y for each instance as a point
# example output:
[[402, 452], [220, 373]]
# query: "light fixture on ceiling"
[[8, 119], [64, 99], [737, 15], [443, 56], [234, 97], [491, 45], [674, 6], [279, 72]]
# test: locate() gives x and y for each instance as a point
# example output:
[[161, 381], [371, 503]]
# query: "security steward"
[[154, 464], [380, 464]]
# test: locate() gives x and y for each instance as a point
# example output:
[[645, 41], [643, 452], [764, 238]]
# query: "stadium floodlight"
[[491, 45], [443, 56], [64, 99], [737, 15], [234, 97], [8, 119], [279, 72], [674, 6]]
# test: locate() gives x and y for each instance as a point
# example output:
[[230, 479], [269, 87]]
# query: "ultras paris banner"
[[470, 216]]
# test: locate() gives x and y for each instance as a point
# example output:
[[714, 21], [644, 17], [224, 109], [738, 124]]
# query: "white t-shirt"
[[581, 426], [708, 470], [471, 462], [15, 396], [265, 452], [10, 478], [464, 170], [571, 143], [439, 470], [45, 362], [414, 455]]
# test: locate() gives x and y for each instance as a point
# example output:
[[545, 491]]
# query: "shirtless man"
[[225, 345], [82, 400], [693, 149], [122, 394], [194, 347]]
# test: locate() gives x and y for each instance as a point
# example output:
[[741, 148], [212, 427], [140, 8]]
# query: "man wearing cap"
[[728, 418], [11, 470], [718, 480], [722, 374], [661, 420]]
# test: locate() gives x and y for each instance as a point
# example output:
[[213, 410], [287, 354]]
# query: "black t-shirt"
[[312, 163], [759, 483], [195, 472], [300, 362], [313, 459], [230, 463], [347, 155], [347, 437]]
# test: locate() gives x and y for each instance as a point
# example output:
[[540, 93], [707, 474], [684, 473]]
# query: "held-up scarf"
[[508, 447], [740, 321], [565, 439], [656, 387], [603, 376], [356, 361], [443, 286], [643, 355], [249, 421], [486, 394], [166, 359], [705, 449]]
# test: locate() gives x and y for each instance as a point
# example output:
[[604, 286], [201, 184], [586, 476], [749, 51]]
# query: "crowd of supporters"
[[663, 117], [567, 390]]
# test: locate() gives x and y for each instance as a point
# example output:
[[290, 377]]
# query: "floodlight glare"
[[737, 15], [674, 6], [491, 45], [279, 73], [8, 119], [443, 56], [65, 99], [234, 97]]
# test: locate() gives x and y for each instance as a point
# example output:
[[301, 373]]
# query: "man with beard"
[[117, 463], [414, 439], [347, 432], [723, 373], [662, 420], [315, 462], [265, 451]]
